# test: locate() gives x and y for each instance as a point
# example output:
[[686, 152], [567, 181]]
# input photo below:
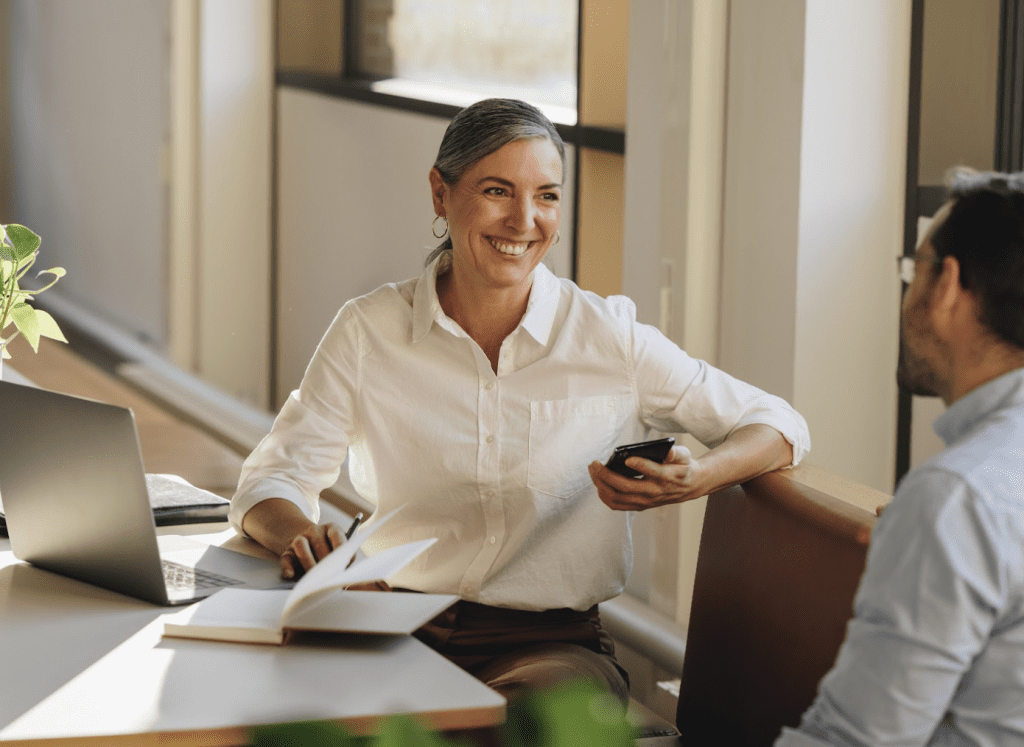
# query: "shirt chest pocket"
[[566, 435]]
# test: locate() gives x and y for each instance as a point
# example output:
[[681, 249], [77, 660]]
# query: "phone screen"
[[656, 451]]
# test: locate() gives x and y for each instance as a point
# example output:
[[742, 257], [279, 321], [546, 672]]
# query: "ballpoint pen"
[[355, 525]]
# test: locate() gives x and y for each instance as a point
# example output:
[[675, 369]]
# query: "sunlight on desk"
[[153, 691], [86, 666]]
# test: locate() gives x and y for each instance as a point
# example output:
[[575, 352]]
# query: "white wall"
[[672, 249], [95, 149], [853, 166], [816, 151], [764, 190], [354, 212], [89, 109], [232, 323], [762, 193]]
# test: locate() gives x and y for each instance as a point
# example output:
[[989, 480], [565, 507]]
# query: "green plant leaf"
[[576, 715], [25, 263], [6, 250], [26, 319], [57, 272], [48, 326], [401, 730], [25, 241], [302, 734]]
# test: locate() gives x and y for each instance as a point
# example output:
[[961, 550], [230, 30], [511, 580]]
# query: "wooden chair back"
[[778, 566]]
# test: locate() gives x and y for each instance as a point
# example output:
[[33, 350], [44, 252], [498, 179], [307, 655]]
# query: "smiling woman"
[[510, 386], [503, 217]]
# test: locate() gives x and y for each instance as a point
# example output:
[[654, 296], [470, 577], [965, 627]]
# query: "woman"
[[482, 397]]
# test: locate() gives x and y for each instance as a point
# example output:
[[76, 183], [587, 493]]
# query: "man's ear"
[[948, 297], [438, 190]]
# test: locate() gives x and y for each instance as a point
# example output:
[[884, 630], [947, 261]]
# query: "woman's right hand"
[[281, 527], [311, 545]]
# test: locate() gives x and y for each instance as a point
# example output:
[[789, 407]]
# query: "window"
[[450, 52], [457, 51]]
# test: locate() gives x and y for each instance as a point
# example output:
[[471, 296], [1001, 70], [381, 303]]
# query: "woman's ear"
[[438, 190]]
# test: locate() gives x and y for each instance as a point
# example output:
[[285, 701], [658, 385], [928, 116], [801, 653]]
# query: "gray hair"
[[481, 129], [962, 180]]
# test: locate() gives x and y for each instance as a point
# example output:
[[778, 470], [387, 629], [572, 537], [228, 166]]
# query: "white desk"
[[85, 666]]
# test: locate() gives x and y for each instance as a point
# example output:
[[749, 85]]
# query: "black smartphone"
[[655, 450]]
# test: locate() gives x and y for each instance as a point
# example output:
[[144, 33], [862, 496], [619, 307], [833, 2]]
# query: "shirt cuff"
[[794, 430], [263, 490]]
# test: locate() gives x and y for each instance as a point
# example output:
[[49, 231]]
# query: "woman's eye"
[[498, 191], [551, 197]]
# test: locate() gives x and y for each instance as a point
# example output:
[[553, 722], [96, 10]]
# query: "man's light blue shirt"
[[935, 652]]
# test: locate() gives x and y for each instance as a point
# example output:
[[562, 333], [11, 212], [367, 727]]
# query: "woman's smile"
[[510, 247], [503, 214]]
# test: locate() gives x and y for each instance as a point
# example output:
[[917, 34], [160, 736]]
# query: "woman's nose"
[[522, 215]]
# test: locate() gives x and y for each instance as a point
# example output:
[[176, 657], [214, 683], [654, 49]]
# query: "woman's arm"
[[747, 452], [281, 527]]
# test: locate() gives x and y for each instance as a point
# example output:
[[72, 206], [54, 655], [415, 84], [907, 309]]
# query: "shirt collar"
[[978, 404], [540, 309], [425, 306], [537, 321]]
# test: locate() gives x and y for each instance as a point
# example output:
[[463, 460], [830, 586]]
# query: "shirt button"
[[490, 386], [493, 540], [490, 439]]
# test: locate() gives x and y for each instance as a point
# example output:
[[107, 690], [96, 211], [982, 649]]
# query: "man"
[[935, 652]]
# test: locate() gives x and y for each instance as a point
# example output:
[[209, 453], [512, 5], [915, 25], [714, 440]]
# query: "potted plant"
[[19, 247]]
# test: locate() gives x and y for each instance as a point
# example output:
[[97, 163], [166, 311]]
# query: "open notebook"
[[318, 602]]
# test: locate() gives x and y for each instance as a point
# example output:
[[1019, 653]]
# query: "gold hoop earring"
[[433, 227], [558, 237]]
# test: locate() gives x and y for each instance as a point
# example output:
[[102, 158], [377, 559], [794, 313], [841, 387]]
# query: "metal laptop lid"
[[73, 488]]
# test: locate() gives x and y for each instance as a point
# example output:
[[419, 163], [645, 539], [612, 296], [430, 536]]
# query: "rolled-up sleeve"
[[304, 451], [678, 392]]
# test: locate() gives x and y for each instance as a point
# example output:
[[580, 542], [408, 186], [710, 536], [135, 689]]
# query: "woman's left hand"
[[747, 452], [675, 480]]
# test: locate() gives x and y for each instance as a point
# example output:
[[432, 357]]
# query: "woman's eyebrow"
[[507, 183], [497, 179]]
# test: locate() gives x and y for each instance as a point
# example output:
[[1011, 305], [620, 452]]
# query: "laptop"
[[73, 488]]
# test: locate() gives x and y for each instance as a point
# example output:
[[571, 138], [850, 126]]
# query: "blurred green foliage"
[[577, 715]]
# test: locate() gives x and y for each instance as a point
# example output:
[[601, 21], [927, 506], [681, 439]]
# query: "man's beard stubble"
[[913, 372]]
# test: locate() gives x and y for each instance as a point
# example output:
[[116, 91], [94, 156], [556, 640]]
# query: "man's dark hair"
[[984, 231]]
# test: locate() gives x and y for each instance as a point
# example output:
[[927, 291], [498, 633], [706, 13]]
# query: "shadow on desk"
[[38, 649]]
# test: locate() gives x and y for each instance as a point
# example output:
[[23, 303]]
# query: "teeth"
[[513, 249]]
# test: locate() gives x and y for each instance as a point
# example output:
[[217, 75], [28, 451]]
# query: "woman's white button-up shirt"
[[494, 465]]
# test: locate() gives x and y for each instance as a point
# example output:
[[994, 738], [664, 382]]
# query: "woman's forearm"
[[747, 452], [274, 523]]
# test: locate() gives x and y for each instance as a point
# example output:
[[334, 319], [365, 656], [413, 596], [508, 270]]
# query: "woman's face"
[[503, 213]]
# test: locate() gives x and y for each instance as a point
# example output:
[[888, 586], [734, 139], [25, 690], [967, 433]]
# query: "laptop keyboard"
[[182, 577]]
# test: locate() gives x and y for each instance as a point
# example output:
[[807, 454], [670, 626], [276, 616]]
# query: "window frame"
[[360, 88]]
